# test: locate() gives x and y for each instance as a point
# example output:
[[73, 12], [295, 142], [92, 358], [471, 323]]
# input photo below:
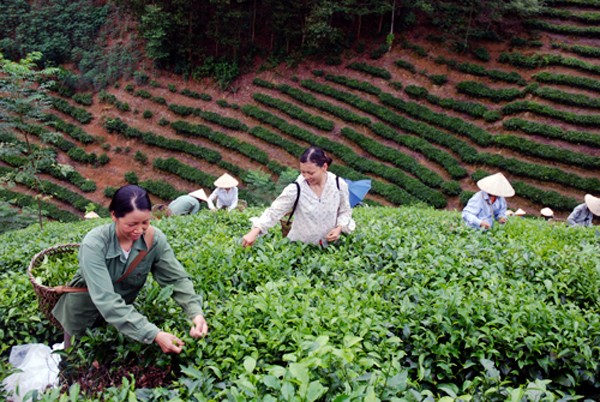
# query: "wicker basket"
[[48, 296]]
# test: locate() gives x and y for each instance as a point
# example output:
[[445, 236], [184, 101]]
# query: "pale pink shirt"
[[314, 216]]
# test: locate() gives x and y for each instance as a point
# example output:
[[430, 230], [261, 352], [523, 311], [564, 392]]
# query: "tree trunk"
[[466, 42], [253, 22], [359, 27], [393, 15], [190, 40]]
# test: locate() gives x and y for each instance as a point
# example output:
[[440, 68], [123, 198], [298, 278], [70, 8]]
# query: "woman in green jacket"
[[105, 255]]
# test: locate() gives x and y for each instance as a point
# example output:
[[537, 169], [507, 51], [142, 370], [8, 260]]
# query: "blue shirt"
[[225, 199], [581, 215], [479, 208]]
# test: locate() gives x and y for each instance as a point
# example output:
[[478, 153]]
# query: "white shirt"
[[225, 199], [314, 216]]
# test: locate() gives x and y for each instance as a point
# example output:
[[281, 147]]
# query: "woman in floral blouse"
[[323, 210]]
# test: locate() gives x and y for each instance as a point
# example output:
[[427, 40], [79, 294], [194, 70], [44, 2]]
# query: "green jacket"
[[101, 264]]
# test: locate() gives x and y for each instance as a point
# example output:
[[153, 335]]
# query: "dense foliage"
[[412, 305], [214, 38]]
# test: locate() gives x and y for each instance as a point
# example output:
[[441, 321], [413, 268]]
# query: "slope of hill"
[[422, 122]]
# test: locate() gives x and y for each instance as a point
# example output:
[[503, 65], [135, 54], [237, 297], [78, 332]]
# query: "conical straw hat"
[[200, 194], [509, 212], [547, 212], [520, 212], [497, 185], [91, 215], [593, 203], [226, 181]]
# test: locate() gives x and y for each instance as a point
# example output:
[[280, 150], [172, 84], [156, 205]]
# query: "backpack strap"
[[148, 238], [295, 202]]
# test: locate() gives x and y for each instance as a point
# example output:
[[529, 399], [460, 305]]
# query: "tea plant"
[[414, 305]]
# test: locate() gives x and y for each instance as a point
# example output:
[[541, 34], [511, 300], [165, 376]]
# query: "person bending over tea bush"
[[112, 275], [489, 203], [225, 196], [583, 214], [187, 204], [319, 200]]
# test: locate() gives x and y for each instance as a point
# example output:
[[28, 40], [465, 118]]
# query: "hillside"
[[422, 122], [412, 305]]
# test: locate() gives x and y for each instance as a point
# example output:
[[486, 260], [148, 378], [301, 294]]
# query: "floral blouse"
[[314, 216]]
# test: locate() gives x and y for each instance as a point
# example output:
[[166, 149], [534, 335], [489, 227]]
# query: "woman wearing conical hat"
[[583, 214], [225, 194], [488, 204]]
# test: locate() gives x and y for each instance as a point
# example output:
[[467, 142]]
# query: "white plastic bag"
[[38, 369]]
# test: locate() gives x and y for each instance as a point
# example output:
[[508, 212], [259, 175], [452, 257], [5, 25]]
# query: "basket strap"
[[149, 238]]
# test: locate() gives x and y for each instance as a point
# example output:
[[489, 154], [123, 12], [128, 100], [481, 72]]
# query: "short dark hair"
[[317, 156], [129, 198]]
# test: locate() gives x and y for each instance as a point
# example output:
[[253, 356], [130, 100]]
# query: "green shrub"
[[569, 80], [131, 177], [522, 42], [480, 71], [416, 92], [79, 114], [371, 70], [418, 50], [172, 88], [109, 191], [567, 98], [141, 78], [294, 112], [141, 157], [574, 118], [85, 99], [147, 114], [397, 85], [123, 106], [406, 65], [354, 84], [163, 122], [129, 88], [541, 60], [581, 50], [439, 79], [480, 90], [564, 29], [482, 54], [330, 60], [142, 93], [379, 52]]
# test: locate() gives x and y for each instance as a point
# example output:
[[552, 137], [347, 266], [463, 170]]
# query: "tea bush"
[[412, 306]]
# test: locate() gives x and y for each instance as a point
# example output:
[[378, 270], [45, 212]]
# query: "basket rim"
[[36, 258]]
